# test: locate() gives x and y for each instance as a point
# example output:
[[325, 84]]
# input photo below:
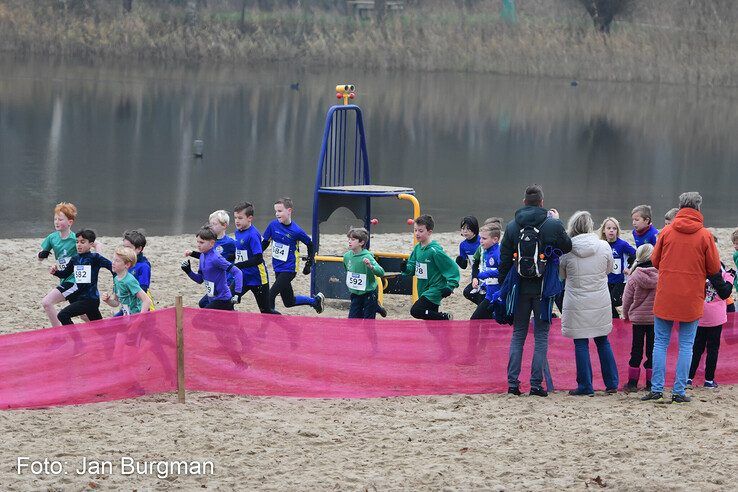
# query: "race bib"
[[421, 270], [82, 274], [280, 251], [356, 281], [126, 309], [62, 263], [241, 255], [491, 281], [617, 266], [209, 288]]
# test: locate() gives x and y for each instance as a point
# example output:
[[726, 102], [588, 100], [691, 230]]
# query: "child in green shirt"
[[63, 243], [437, 274], [127, 292], [361, 272]]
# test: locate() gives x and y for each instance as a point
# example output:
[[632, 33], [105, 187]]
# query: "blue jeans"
[[364, 305], [526, 304], [662, 335], [584, 366]]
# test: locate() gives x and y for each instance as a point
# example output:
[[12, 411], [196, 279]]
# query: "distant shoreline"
[[550, 39]]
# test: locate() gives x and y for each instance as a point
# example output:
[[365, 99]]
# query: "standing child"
[[286, 257], [436, 272], [467, 248], [488, 273], [213, 271], [127, 292], [718, 287], [141, 270], [643, 230], [85, 266], [621, 253], [669, 216], [640, 292], [64, 245], [361, 272], [249, 256]]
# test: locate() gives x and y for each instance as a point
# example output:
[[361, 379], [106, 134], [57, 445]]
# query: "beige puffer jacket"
[[587, 311]]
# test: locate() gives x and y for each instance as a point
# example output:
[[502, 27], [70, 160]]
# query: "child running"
[[213, 271], [621, 253], [640, 292], [64, 245], [436, 272], [249, 256], [85, 266], [286, 257], [225, 245], [467, 248], [141, 269], [718, 287], [127, 292], [488, 275], [643, 229], [361, 272]]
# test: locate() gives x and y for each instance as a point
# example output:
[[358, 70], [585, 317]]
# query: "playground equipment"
[[343, 180]]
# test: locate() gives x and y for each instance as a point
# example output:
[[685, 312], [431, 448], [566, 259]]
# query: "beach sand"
[[435, 442]]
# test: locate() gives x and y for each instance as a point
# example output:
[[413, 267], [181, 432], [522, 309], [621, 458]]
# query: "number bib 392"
[[356, 281], [421, 270], [83, 274], [280, 251]]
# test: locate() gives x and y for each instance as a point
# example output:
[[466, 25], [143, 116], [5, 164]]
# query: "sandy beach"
[[452, 442]]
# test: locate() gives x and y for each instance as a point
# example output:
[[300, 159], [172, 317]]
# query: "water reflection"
[[118, 142]]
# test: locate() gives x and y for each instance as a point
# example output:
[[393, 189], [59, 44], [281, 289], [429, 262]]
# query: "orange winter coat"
[[685, 254]]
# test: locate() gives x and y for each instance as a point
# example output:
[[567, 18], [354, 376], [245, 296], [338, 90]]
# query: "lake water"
[[117, 141]]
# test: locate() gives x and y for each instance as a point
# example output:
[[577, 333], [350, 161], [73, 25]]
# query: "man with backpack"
[[534, 236]]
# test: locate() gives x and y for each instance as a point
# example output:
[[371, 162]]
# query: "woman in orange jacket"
[[685, 255]]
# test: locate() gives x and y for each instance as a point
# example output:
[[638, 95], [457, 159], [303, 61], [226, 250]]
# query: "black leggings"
[[89, 307], [708, 337], [220, 305], [483, 310], [636, 350], [616, 297], [425, 309], [261, 295]]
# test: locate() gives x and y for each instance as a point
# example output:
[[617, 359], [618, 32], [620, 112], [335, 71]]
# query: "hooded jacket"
[[552, 234], [434, 269], [587, 307], [640, 292], [685, 255]]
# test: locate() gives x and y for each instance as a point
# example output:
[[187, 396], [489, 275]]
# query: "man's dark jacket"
[[552, 233]]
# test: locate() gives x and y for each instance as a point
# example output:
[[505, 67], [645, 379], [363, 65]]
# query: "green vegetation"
[[682, 44]]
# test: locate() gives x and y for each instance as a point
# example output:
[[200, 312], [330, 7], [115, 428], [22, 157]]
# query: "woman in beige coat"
[[587, 311]]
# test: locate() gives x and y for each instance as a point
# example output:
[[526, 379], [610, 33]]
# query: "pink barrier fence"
[[254, 354]]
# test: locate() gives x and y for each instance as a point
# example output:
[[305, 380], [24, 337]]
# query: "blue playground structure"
[[343, 180]]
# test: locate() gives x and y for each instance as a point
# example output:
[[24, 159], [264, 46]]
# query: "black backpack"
[[530, 260]]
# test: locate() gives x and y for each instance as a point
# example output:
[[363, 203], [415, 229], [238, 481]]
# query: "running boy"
[[127, 292], [467, 248], [361, 272], [286, 257], [225, 245], [643, 230], [213, 271], [141, 270], [64, 245], [436, 272], [249, 256], [85, 266]]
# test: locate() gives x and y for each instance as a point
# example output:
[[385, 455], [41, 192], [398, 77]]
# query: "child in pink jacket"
[[638, 298], [710, 327]]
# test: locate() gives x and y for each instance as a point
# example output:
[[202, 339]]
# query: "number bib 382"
[[83, 274]]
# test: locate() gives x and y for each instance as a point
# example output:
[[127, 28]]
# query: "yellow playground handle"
[[416, 214]]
